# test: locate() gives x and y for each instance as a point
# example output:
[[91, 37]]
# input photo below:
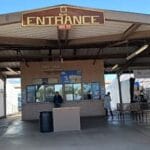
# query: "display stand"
[[66, 119]]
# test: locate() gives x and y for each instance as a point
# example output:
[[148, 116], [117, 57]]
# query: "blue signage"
[[71, 76]]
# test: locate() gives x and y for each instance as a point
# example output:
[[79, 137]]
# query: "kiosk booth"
[[74, 80]]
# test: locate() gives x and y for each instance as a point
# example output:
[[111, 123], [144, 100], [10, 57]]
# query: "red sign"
[[64, 27]]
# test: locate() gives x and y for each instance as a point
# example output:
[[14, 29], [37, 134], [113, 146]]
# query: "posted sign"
[[62, 15]]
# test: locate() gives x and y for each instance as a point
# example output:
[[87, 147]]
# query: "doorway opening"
[[13, 96]]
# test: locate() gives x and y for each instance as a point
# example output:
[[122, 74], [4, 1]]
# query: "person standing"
[[107, 104], [58, 100]]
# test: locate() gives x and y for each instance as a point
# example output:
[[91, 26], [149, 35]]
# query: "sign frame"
[[77, 10]]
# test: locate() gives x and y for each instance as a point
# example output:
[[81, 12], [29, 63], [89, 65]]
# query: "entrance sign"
[[63, 15]]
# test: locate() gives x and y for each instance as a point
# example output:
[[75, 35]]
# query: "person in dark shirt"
[[58, 100], [89, 96]]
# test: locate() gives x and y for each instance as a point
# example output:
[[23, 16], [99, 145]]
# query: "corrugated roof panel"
[[6, 53], [34, 53], [105, 29], [118, 50], [16, 30], [143, 60], [87, 52], [143, 28], [9, 64], [82, 52], [67, 52], [115, 61]]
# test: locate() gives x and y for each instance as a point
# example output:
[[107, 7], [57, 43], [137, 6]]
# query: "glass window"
[[49, 93], [87, 91], [58, 88], [77, 91], [72, 92], [69, 92], [91, 91], [31, 93], [96, 91], [40, 93]]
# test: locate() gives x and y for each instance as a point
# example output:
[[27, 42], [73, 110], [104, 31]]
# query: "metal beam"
[[74, 52], [73, 57], [98, 52], [66, 37], [109, 38], [26, 42], [136, 65], [92, 42], [130, 31], [59, 36]]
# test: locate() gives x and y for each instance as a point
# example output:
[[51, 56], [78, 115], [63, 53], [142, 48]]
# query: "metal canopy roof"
[[122, 34]]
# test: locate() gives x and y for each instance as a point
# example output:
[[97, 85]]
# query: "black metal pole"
[[119, 87], [4, 80]]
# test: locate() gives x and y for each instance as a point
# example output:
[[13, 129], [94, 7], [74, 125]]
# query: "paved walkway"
[[96, 134]]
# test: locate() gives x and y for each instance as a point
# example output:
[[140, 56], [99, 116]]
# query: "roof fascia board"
[[109, 15]]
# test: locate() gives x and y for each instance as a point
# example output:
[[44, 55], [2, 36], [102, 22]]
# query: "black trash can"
[[46, 121]]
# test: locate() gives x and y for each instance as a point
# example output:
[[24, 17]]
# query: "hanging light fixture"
[[140, 50], [114, 67]]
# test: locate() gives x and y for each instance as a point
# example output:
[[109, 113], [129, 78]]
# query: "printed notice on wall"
[[71, 76]]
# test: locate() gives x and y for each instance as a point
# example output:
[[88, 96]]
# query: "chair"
[[123, 110], [136, 111], [146, 110]]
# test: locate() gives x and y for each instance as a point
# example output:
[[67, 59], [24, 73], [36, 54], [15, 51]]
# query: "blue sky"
[[14, 81], [139, 6], [110, 77]]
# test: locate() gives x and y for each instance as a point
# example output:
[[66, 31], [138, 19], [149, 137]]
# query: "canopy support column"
[[5, 114], [119, 87]]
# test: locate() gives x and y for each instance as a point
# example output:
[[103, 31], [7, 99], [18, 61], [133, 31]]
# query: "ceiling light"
[[11, 70], [137, 52], [114, 67]]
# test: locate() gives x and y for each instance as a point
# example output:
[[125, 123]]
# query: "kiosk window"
[[69, 92], [43, 93], [91, 91], [87, 91], [96, 91], [49, 93], [73, 92], [59, 88], [31, 93], [40, 93], [77, 92]]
